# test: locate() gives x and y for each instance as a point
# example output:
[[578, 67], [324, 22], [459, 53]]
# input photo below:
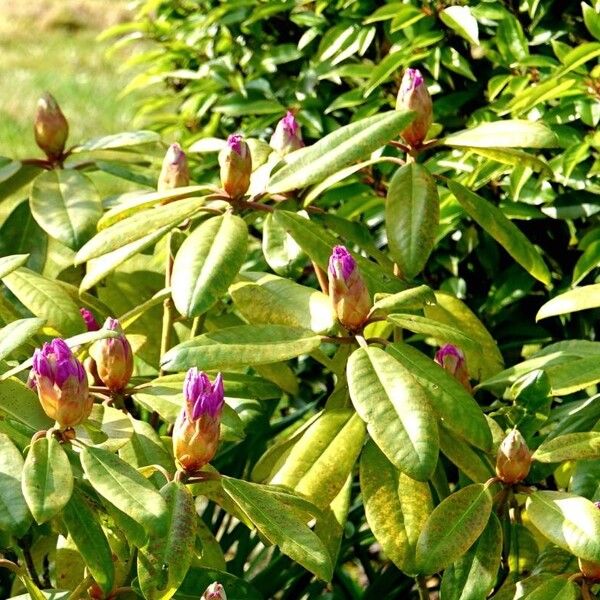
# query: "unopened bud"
[[215, 591], [236, 166], [514, 458], [50, 127], [197, 428], [413, 95], [90, 321], [589, 569], [287, 137], [453, 361], [347, 290], [174, 172], [113, 357], [61, 384]]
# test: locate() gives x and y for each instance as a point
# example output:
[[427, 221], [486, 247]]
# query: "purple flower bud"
[[61, 384], [114, 358], [413, 95], [214, 591], [196, 430], [287, 137], [347, 290], [514, 458], [175, 172], [50, 127], [236, 166], [452, 360], [89, 319]]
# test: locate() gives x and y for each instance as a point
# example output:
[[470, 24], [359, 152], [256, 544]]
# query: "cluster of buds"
[[236, 166], [174, 172], [50, 127], [287, 137], [215, 591], [452, 360], [514, 459], [347, 290], [413, 95], [61, 383], [197, 428], [589, 569]]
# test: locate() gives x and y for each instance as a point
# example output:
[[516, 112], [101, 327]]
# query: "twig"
[[321, 277], [423, 589]]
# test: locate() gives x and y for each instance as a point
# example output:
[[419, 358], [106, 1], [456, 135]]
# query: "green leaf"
[[17, 333], [280, 525], [14, 513], [571, 446], [87, 534], [471, 462], [47, 479], [573, 375], [591, 18], [585, 480], [138, 226], [106, 427], [396, 410], [337, 150], [20, 234], [241, 345], [18, 402], [512, 239], [410, 299], [453, 527], [198, 580], [9, 263], [449, 399], [557, 588], [207, 263], [516, 158], [517, 133], [46, 299], [66, 205], [390, 64], [163, 563], [396, 507], [580, 298], [474, 574], [570, 522], [124, 487], [280, 250], [578, 56], [590, 259], [461, 20], [318, 464], [126, 139], [270, 299], [412, 213]]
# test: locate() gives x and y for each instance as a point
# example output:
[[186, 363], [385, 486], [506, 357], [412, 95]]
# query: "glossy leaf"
[[581, 298], [15, 517], [557, 588], [207, 263], [16, 333], [505, 134], [396, 410], [571, 446], [410, 299], [125, 139], [9, 263], [461, 20], [18, 402]]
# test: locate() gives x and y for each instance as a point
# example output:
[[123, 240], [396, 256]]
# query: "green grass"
[[50, 46]]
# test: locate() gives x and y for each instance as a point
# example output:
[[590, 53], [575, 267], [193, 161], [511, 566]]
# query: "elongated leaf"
[[165, 560], [280, 525], [18, 402], [410, 299], [585, 480], [557, 588], [571, 446], [512, 239], [207, 263], [396, 410], [126, 139], [199, 579], [47, 479], [412, 213], [449, 399], [16, 333], [474, 574], [453, 527], [138, 226], [14, 513], [581, 298], [66, 205], [337, 150], [87, 534], [461, 20], [505, 134], [124, 487], [569, 521], [396, 507], [9, 263], [241, 345], [471, 462], [516, 158]]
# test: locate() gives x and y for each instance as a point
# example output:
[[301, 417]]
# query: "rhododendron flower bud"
[[514, 458], [114, 358], [236, 166], [453, 360], [196, 430], [590, 569], [214, 591], [90, 321], [50, 127], [287, 136], [174, 172], [61, 384], [413, 95], [347, 290]]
